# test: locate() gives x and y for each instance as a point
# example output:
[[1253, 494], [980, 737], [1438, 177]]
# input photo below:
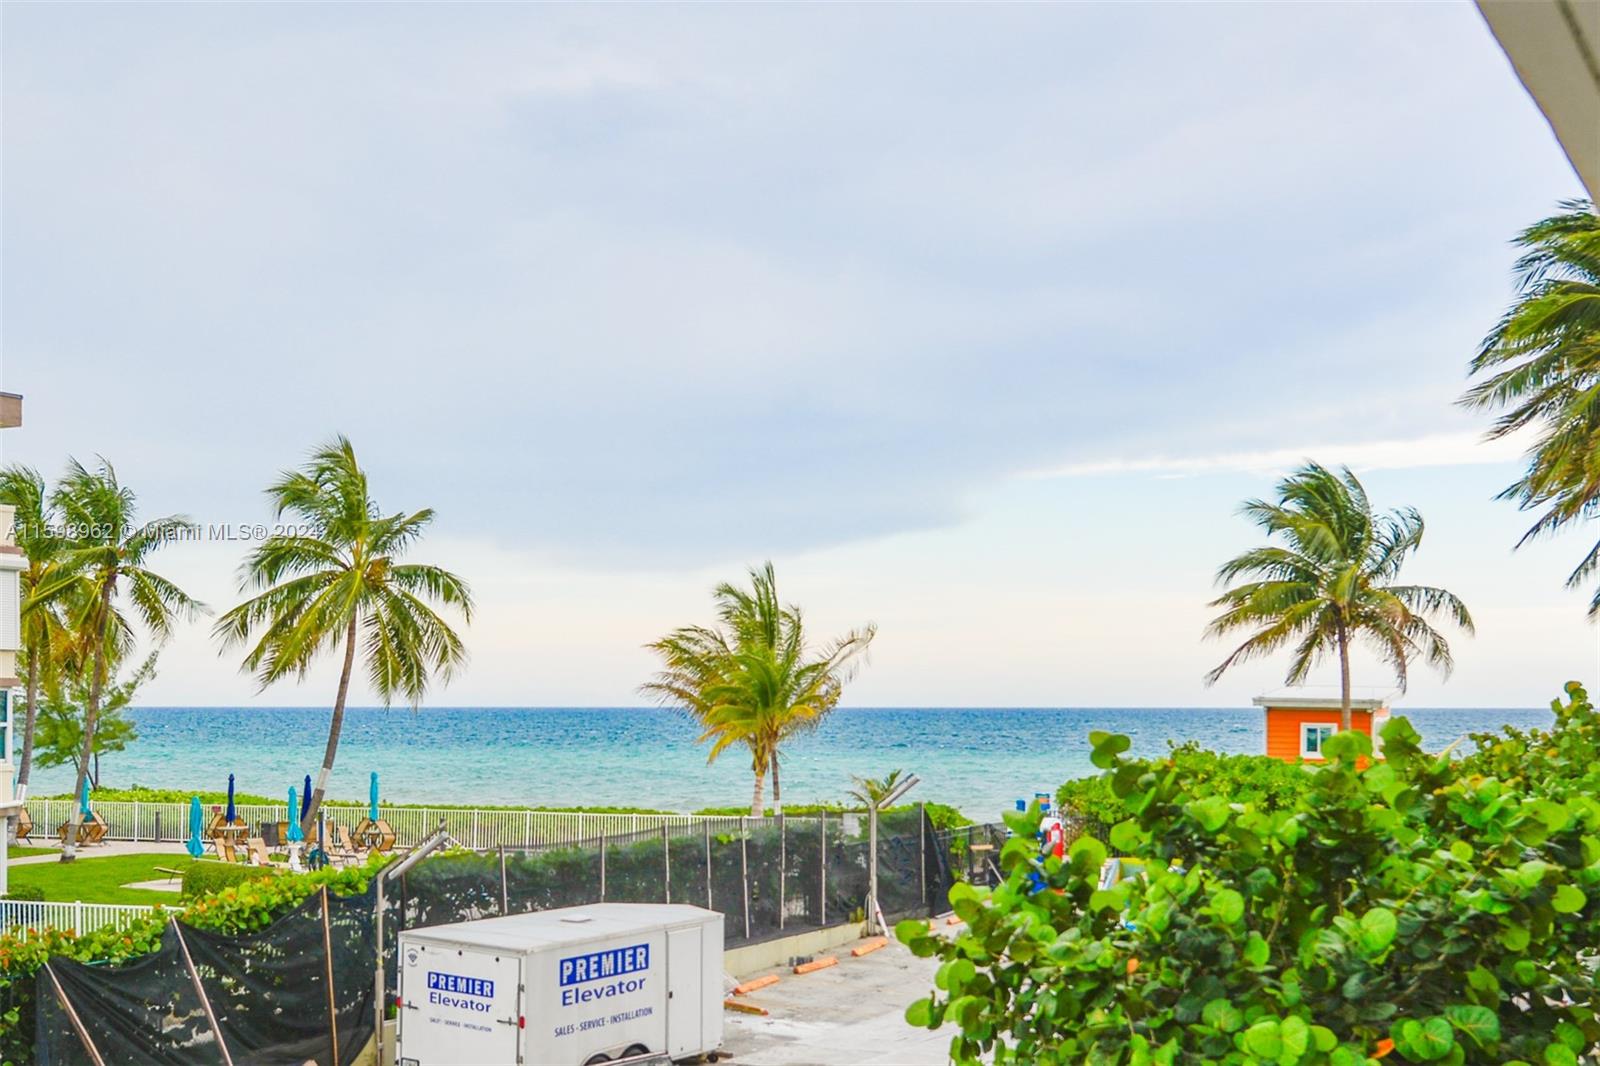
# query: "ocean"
[[977, 759]]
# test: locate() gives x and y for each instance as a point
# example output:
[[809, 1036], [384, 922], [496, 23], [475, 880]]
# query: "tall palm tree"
[[103, 564], [754, 681], [1540, 366], [38, 533], [337, 584], [1329, 584]]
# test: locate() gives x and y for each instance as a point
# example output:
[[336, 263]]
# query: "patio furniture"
[[256, 852], [91, 830], [342, 849], [172, 873], [375, 835], [24, 824]]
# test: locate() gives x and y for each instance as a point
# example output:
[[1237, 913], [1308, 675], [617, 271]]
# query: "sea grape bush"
[[1266, 782], [1418, 908]]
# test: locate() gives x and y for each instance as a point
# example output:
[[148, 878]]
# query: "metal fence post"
[[822, 869], [136, 821], [666, 864], [744, 871], [872, 870], [706, 825], [783, 867], [77, 917], [922, 849], [475, 830], [602, 867], [505, 903]]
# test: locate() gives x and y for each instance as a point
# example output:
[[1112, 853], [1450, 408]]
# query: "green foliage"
[[942, 815], [26, 892], [205, 877], [100, 879], [59, 737], [241, 908], [1423, 908], [1271, 784]]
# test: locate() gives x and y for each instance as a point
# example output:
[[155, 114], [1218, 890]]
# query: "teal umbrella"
[[372, 797], [295, 832], [196, 844], [83, 801]]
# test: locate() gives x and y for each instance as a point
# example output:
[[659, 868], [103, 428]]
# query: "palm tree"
[[1329, 584], [44, 637], [1540, 366], [336, 583], [103, 562], [754, 681]]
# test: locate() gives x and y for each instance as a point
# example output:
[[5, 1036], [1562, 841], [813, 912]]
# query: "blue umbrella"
[[372, 795], [295, 832], [232, 814], [196, 845], [305, 799], [83, 801]]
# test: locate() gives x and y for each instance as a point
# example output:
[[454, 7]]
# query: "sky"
[[978, 321]]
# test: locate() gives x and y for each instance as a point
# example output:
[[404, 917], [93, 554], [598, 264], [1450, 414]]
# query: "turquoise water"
[[979, 760]]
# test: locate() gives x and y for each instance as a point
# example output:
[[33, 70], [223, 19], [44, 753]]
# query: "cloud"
[[1441, 449]]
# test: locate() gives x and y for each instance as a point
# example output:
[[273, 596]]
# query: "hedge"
[[208, 876]]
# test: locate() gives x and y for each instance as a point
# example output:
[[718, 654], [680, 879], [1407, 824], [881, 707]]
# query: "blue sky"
[[979, 321]]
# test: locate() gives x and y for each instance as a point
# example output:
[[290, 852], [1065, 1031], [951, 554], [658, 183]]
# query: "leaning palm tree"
[[1540, 366], [101, 566], [336, 584], [1330, 583], [754, 681], [39, 535]]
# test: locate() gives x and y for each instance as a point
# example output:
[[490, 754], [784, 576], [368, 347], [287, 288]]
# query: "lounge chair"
[[224, 848], [341, 848], [24, 824], [256, 852]]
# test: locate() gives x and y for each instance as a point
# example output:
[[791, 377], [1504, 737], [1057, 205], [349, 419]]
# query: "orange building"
[[1298, 724]]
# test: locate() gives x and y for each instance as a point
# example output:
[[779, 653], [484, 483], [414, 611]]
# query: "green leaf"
[[1515, 937], [1480, 1023], [1296, 1035], [1435, 1039], [1211, 812], [1256, 951], [1228, 906], [1377, 930], [1222, 1015], [1568, 899], [1128, 836], [1263, 1040], [1106, 747], [1087, 854], [920, 1014], [1559, 1054], [909, 930]]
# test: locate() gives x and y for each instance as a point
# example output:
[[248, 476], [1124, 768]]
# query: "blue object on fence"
[[372, 795], [305, 799], [232, 814], [1022, 806], [296, 834], [196, 844], [83, 801]]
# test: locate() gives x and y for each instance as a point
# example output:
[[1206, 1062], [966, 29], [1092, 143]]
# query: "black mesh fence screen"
[[303, 986], [298, 991]]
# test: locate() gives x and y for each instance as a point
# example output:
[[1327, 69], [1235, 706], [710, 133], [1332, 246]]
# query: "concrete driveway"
[[852, 1014]]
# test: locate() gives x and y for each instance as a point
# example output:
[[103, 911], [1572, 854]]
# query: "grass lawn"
[[101, 880], [25, 852]]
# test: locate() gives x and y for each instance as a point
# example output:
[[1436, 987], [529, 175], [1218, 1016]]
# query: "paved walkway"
[[101, 851], [852, 1014]]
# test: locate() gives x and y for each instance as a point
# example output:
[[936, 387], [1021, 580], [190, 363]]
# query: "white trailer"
[[571, 987]]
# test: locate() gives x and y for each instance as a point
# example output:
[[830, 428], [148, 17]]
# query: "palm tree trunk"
[[1344, 680], [27, 736], [777, 790], [91, 714], [755, 801], [334, 727]]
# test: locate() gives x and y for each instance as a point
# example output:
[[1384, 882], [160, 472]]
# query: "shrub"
[[27, 892], [1269, 783], [205, 877], [1422, 908]]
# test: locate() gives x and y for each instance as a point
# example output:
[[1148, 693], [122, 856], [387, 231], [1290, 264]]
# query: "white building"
[[12, 563]]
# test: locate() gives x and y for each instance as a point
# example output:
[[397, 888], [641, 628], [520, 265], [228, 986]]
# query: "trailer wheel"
[[596, 1060], [635, 1049]]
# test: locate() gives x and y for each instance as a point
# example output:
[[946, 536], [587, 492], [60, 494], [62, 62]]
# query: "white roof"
[[1325, 697], [566, 925]]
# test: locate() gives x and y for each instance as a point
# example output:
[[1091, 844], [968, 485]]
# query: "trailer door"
[[459, 1006], [685, 988]]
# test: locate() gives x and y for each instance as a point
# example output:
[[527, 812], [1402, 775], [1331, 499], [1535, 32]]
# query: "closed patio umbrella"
[[295, 832], [196, 844], [305, 799], [231, 815], [83, 802], [372, 798]]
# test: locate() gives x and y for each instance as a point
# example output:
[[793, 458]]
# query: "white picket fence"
[[17, 914], [475, 828]]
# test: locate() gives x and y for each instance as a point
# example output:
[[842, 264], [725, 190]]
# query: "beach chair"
[[24, 824], [342, 849], [95, 830], [224, 848], [256, 852]]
